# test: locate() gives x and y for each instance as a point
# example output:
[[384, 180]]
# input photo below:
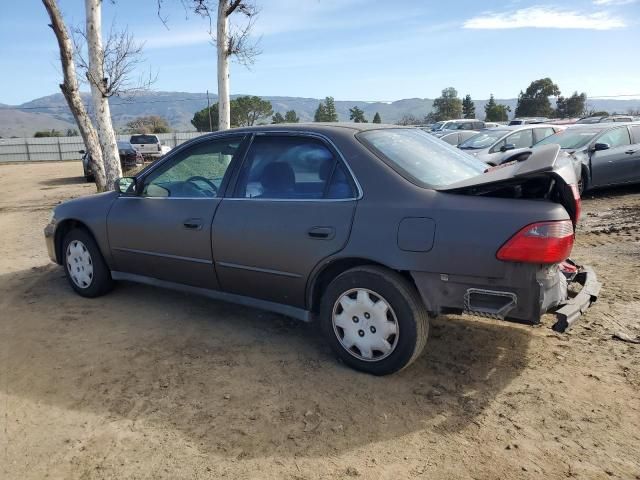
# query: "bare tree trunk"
[[97, 82], [224, 103], [71, 93]]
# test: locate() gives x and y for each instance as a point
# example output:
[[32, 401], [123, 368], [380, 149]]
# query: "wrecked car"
[[368, 229]]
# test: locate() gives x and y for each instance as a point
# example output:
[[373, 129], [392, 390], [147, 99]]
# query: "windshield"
[[589, 120], [570, 138], [482, 140], [421, 158]]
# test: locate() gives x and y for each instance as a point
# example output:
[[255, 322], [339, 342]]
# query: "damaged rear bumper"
[[524, 293]]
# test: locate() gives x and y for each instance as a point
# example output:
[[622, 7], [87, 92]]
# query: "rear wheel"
[[582, 182], [374, 320], [84, 265]]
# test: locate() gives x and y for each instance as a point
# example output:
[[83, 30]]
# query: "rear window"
[[421, 158], [144, 139]]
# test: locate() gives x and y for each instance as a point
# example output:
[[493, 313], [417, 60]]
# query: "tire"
[[404, 326], [84, 264], [583, 184]]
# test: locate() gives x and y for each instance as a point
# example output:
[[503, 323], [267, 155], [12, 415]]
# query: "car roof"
[[599, 126], [318, 127], [521, 127]]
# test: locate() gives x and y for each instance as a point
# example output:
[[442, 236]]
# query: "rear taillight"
[[544, 242], [578, 201]]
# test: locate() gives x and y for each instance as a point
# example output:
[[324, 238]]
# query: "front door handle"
[[324, 233], [630, 152], [192, 223]]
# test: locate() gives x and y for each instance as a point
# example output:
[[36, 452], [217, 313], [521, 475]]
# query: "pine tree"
[[496, 112], [291, 117], [376, 118], [468, 107], [277, 118], [330, 110], [357, 115], [321, 113]]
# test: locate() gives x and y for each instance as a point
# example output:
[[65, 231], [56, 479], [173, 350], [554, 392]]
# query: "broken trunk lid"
[[542, 160]]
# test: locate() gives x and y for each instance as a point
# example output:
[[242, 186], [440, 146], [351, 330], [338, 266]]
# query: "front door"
[[164, 231], [292, 206], [614, 165]]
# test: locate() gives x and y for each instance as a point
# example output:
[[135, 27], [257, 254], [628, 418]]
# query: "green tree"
[[326, 111], [409, 119], [571, 107], [277, 118], [200, 119], [468, 107], [249, 110], [72, 132], [291, 117], [148, 124], [534, 101], [376, 118], [448, 105], [496, 112], [48, 133], [357, 115]]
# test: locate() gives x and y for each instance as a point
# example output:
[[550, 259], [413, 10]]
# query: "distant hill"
[[178, 108]]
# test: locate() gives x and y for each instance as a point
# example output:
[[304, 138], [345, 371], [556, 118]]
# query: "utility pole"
[[209, 112]]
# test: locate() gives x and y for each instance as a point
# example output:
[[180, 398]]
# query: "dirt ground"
[[146, 383]]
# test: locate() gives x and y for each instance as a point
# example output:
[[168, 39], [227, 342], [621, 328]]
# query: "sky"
[[355, 49]]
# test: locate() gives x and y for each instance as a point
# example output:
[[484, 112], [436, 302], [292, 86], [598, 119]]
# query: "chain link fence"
[[67, 148]]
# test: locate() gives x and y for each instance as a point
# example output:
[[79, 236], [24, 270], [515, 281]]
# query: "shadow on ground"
[[237, 381], [62, 181]]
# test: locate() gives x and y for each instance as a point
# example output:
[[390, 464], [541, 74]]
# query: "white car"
[[148, 145]]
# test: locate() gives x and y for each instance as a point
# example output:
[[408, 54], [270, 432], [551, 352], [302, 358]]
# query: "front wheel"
[[84, 265], [374, 320]]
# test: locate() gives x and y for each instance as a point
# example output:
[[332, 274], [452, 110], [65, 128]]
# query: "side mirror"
[[81, 152], [507, 147], [126, 185], [601, 146]]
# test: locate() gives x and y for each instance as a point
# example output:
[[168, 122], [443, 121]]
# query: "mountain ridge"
[[51, 111]]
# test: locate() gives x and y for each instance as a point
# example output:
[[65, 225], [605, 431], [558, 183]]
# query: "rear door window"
[[292, 168], [635, 130], [542, 133]]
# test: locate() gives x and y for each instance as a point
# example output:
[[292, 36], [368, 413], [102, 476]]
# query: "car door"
[[164, 231], [292, 206], [616, 164], [634, 153]]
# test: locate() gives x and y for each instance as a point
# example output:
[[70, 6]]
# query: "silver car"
[[498, 145]]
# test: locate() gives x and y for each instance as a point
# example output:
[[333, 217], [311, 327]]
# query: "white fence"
[[66, 148]]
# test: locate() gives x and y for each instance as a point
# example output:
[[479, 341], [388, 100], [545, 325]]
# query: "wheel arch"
[[64, 227], [325, 273]]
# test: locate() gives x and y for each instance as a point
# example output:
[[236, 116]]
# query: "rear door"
[[617, 164], [292, 206]]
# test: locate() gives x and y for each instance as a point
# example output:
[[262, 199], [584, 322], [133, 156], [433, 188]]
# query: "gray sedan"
[[606, 154], [496, 146], [368, 229]]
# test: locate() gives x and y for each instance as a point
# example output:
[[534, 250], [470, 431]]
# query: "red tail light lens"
[[544, 242], [578, 200]]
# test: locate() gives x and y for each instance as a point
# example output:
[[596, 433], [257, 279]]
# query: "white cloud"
[[613, 2], [545, 17]]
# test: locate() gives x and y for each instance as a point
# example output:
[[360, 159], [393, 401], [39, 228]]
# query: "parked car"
[[496, 146], [606, 119], [527, 120], [456, 137], [368, 229], [129, 158], [440, 128], [148, 145], [492, 124], [606, 153]]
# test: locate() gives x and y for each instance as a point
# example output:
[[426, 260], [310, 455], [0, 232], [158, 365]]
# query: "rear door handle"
[[193, 223], [630, 152], [324, 233]]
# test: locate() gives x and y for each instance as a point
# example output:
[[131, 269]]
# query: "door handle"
[[193, 223], [630, 152], [324, 233]]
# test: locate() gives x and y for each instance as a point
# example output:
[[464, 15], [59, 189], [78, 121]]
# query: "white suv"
[[149, 145]]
